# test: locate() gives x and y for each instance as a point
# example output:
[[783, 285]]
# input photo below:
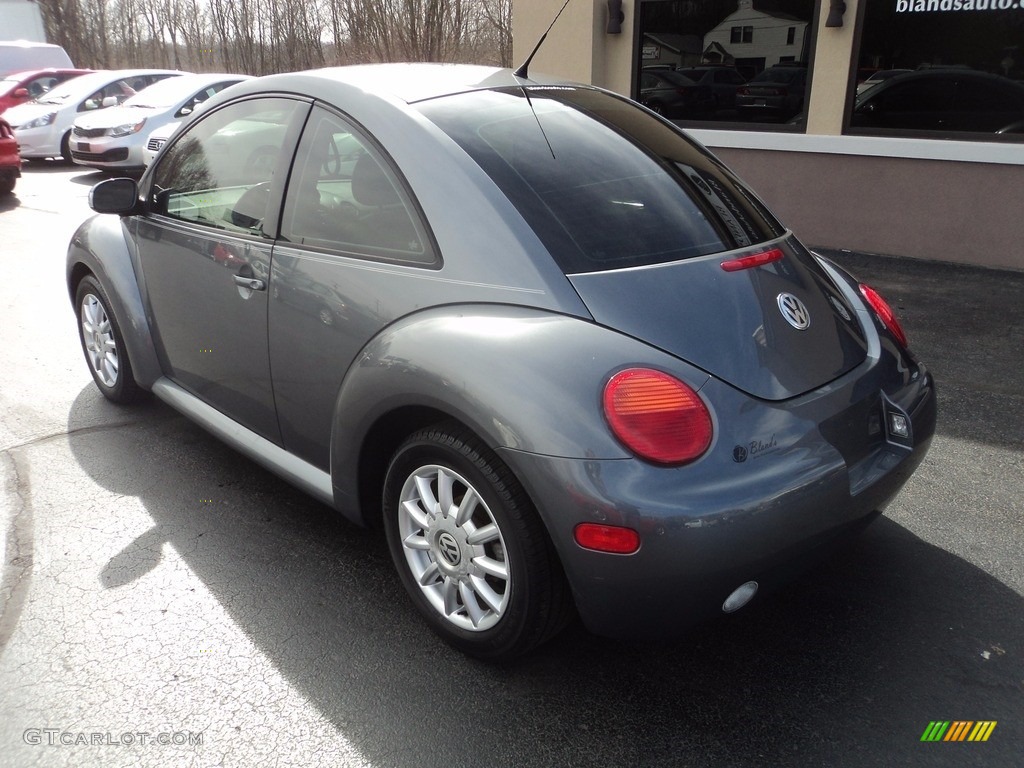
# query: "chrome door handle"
[[252, 283]]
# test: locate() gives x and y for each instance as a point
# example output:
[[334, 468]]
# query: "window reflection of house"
[[756, 39], [667, 49]]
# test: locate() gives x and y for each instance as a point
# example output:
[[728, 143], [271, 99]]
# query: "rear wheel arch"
[[378, 445]]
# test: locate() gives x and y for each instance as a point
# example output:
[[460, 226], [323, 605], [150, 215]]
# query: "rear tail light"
[[656, 416], [607, 538], [754, 260], [885, 314]]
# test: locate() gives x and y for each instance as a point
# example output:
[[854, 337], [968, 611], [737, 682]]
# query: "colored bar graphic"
[[958, 730], [935, 730], [982, 731]]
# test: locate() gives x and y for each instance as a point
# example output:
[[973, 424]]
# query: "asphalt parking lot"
[[156, 583]]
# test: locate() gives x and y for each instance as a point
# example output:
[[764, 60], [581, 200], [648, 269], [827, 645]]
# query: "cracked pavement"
[[157, 584]]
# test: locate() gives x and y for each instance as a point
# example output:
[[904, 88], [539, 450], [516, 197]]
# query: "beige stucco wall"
[[577, 48], [930, 209], [833, 52]]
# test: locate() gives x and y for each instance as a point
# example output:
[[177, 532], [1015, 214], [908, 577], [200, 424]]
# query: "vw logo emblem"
[[794, 311], [449, 548]]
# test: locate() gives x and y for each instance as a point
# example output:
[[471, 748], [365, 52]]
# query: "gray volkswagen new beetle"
[[563, 357]]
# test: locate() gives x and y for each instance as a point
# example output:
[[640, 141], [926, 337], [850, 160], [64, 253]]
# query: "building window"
[[741, 35], [764, 46], [940, 70]]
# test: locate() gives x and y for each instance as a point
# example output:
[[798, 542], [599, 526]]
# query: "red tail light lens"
[[885, 314], [607, 538], [754, 260], [656, 416]]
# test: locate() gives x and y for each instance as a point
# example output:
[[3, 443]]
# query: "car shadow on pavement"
[[846, 666], [9, 202]]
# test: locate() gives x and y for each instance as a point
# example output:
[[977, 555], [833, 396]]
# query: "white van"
[[19, 55]]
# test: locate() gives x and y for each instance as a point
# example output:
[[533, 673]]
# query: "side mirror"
[[120, 196], [21, 93], [111, 101]]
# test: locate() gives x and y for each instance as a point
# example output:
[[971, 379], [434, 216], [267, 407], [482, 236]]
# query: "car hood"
[[113, 116], [22, 113], [732, 324]]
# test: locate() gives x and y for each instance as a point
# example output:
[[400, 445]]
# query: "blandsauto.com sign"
[[933, 6]]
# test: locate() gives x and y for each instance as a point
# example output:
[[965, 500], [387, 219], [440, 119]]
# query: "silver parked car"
[[564, 358]]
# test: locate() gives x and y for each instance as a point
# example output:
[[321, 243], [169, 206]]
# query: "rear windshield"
[[604, 184]]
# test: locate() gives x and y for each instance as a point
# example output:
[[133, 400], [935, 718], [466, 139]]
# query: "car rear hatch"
[[640, 218], [775, 331]]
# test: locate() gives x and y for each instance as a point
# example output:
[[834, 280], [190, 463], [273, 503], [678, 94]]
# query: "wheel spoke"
[[417, 542], [491, 567], [476, 613], [445, 497], [429, 575], [451, 596], [426, 495], [487, 594], [415, 512], [484, 534], [467, 507]]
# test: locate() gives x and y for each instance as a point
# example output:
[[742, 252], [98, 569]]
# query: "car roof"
[[405, 82], [102, 77], [28, 74]]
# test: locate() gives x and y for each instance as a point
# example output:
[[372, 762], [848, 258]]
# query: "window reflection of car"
[[879, 77], [673, 94], [942, 100], [776, 93], [723, 82]]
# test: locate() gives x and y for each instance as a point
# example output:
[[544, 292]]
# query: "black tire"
[[65, 149], [7, 186], [103, 344], [534, 595]]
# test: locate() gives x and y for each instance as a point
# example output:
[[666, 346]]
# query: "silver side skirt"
[[299, 473]]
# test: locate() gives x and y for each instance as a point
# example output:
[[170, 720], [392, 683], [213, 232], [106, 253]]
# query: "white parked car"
[[117, 137], [157, 138], [43, 126]]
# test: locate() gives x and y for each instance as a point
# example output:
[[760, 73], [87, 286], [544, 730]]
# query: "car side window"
[[219, 172], [344, 196]]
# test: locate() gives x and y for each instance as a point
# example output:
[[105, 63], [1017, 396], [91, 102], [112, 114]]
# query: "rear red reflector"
[[754, 260], [607, 538], [885, 314], [656, 416]]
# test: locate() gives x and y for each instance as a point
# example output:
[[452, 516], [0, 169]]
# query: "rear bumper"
[[708, 528]]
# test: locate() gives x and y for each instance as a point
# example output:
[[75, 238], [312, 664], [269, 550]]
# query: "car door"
[[353, 254], [205, 249]]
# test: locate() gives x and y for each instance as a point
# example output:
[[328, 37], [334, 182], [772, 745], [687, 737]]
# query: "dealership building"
[[927, 161]]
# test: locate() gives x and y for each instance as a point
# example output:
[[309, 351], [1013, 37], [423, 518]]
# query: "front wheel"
[[469, 547], [103, 344]]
